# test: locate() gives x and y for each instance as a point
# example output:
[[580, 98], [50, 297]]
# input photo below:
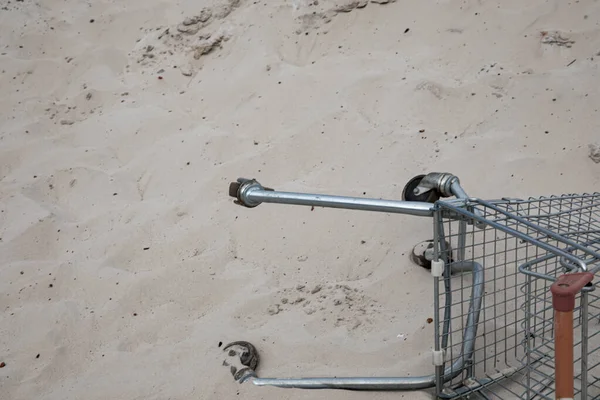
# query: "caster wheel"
[[422, 254], [249, 359], [408, 194]]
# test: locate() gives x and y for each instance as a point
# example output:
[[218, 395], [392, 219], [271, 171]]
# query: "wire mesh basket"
[[522, 247]]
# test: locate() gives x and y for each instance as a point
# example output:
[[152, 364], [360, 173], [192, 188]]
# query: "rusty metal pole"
[[564, 290]]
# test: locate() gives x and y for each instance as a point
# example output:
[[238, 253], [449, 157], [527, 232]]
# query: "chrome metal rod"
[[403, 383], [439, 247], [258, 195], [367, 383], [458, 191], [250, 193]]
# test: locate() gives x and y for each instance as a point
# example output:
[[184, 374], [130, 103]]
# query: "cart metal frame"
[[493, 266]]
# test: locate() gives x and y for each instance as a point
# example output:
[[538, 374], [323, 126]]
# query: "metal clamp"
[[438, 357], [437, 268]]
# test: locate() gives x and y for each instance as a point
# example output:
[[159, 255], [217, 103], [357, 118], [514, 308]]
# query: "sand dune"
[[123, 261]]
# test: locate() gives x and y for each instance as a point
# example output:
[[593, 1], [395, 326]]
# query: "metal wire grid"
[[540, 342], [567, 226], [514, 348]]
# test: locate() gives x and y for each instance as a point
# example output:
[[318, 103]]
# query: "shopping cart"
[[515, 308]]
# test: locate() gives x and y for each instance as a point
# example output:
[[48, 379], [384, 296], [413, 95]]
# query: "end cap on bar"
[[566, 287], [240, 190], [234, 188]]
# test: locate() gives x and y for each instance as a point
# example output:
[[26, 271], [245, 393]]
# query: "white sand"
[[101, 159]]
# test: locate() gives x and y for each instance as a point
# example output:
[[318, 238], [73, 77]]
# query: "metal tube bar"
[[439, 369], [257, 196], [458, 191], [462, 240], [584, 345], [529, 335], [403, 383], [446, 277], [250, 193]]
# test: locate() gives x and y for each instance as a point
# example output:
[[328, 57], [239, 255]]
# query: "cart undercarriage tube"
[[402, 383], [250, 193], [351, 203]]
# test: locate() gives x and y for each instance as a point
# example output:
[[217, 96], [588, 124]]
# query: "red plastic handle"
[[566, 288], [564, 291]]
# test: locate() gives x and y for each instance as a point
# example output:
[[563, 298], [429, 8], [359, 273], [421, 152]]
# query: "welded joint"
[[471, 383], [438, 357]]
